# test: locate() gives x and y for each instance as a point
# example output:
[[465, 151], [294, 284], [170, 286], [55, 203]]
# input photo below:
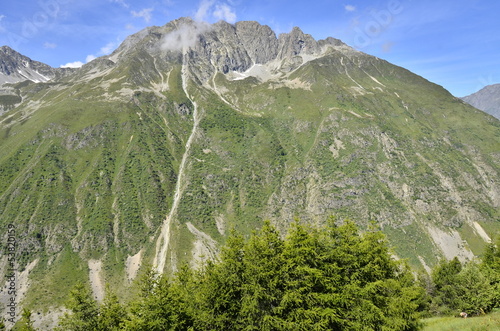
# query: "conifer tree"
[[221, 287], [328, 278], [111, 312], [310, 300], [161, 305], [263, 273], [458, 288], [490, 267], [475, 294], [84, 311]]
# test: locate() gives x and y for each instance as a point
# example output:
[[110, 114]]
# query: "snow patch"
[[260, 71]]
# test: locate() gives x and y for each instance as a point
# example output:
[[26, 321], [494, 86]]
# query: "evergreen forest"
[[333, 277]]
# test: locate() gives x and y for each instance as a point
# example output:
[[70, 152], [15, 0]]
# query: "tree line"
[[332, 277]]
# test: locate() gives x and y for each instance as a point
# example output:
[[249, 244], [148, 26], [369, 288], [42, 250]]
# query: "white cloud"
[[49, 45], [224, 12], [108, 48], [208, 9], [184, 37], [203, 8], [2, 29], [76, 64], [121, 2], [145, 13], [349, 8]]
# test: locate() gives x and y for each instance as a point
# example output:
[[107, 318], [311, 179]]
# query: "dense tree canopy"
[[328, 278], [472, 287], [315, 278]]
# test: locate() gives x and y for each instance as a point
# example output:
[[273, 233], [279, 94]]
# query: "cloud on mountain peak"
[[224, 12], [209, 9]]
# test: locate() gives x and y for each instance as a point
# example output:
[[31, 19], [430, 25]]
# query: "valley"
[[154, 154]]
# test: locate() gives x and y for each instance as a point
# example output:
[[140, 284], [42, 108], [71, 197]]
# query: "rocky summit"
[[15, 68], [153, 154], [487, 99]]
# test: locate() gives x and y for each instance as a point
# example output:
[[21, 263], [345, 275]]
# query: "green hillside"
[[90, 163]]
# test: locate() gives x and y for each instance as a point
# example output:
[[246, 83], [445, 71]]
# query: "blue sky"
[[454, 43]]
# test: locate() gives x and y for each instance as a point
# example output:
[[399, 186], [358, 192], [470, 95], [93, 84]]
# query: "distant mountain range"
[[487, 99], [15, 68], [153, 154]]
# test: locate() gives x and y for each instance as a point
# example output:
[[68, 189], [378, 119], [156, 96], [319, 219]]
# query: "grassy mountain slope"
[[89, 163]]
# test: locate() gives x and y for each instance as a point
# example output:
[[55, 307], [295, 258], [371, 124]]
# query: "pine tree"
[[490, 267], [84, 311], [111, 312], [467, 288], [310, 301], [475, 294], [221, 288], [262, 274], [329, 278], [161, 306]]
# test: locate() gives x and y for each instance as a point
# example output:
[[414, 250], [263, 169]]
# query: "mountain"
[[487, 99], [153, 154], [15, 68]]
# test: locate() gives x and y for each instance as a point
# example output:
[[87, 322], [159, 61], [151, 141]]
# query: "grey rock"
[[487, 99], [259, 41], [221, 47], [15, 67], [295, 43]]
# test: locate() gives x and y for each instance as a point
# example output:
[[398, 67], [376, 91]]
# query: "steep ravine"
[[164, 238]]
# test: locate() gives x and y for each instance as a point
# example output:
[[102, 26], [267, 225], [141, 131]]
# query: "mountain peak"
[[5, 48], [486, 99], [15, 67], [222, 46]]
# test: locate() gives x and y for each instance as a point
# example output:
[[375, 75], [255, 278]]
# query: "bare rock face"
[[221, 47], [15, 67], [224, 49], [487, 99], [295, 43], [259, 41]]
